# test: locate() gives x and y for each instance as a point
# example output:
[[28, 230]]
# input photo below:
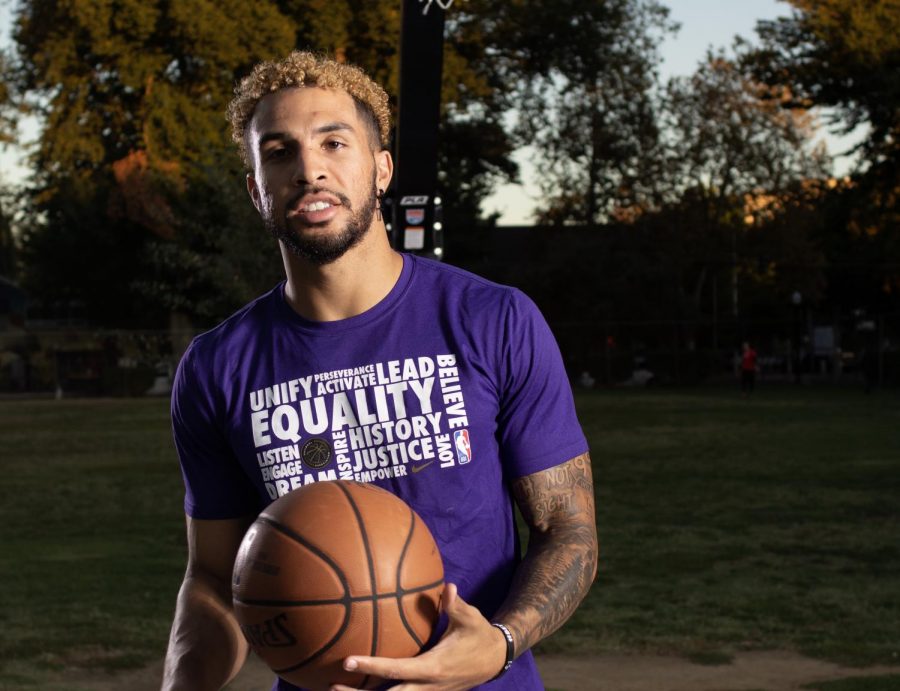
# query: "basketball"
[[334, 569]]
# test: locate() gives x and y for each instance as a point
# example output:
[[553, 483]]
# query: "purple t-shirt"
[[443, 393]]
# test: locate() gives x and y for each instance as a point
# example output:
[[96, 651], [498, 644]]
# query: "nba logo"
[[463, 447]]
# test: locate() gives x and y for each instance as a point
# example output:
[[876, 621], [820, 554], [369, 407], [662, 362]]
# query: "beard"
[[326, 248]]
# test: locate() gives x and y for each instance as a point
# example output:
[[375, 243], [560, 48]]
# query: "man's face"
[[315, 173]]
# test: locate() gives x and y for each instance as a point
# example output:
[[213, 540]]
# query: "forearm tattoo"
[[561, 561]]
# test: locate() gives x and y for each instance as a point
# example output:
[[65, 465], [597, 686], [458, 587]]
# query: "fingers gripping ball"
[[333, 569]]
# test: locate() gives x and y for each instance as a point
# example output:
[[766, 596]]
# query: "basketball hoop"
[[443, 4]]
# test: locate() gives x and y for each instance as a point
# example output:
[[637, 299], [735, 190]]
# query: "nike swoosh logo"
[[417, 468]]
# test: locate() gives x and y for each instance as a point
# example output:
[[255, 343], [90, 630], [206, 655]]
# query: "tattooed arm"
[[561, 562], [555, 575]]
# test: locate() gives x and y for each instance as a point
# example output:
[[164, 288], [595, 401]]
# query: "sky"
[[711, 23], [704, 24]]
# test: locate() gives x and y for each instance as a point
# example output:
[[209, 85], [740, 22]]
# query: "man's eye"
[[274, 153], [334, 144]]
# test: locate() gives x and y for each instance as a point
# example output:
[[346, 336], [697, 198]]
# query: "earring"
[[379, 195]]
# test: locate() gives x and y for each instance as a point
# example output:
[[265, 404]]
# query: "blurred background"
[[666, 180]]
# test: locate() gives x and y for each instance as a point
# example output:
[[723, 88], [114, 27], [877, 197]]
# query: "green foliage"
[[136, 176], [586, 99], [721, 196], [221, 256], [470, 178], [8, 250], [132, 96], [136, 173], [475, 152], [611, 143], [729, 134], [112, 78], [7, 101], [83, 264], [839, 53], [732, 163], [845, 55]]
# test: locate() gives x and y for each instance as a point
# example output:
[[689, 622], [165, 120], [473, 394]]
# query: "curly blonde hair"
[[301, 68]]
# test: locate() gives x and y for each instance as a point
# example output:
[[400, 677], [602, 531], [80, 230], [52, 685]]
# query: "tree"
[[135, 162], [8, 117], [842, 54], [131, 95], [114, 78], [475, 151], [845, 55], [584, 73], [470, 178], [732, 152], [8, 268], [731, 135], [7, 101]]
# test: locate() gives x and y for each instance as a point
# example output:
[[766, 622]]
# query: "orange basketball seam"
[[332, 547], [396, 594], [340, 574], [400, 610], [371, 563]]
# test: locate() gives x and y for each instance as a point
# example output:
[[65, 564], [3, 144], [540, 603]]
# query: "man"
[[748, 369], [442, 387]]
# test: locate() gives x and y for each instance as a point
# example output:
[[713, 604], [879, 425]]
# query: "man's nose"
[[309, 168]]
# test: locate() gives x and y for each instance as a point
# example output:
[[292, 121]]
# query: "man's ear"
[[253, 190], [384, 169]]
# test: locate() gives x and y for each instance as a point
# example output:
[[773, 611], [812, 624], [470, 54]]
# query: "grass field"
[[725, 524]]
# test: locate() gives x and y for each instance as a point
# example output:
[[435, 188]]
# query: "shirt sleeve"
[[537, 424], [216, 486]]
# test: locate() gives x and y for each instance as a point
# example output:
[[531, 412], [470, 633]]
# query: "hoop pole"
[[416, 218]]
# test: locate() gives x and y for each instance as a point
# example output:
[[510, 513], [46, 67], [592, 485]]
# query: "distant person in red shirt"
[[748, 369]]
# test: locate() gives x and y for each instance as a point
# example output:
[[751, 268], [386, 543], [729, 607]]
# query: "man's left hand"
[[470, 653]]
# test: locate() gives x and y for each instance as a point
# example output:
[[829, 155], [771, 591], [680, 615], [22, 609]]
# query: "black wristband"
[[510, 650]]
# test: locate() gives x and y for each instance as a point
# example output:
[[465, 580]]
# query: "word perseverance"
[[324, 383]]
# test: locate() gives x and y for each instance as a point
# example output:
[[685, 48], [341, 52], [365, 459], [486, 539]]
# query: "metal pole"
[[606, 355], [734, 274], [416, 223], [715, 314], [880, 347]]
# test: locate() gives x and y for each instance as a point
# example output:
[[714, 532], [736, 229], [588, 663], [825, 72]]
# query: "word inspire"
[[382, 419]]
